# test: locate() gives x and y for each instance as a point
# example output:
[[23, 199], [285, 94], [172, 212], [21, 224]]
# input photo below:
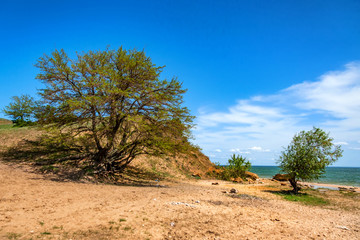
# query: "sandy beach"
[[34, 206]]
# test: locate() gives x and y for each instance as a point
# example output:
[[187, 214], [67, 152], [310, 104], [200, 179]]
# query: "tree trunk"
[[293, 183], [100, 160]]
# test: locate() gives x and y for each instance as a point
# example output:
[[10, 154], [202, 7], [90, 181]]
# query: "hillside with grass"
[[25, 145], [5, 122]]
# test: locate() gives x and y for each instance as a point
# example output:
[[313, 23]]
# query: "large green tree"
[[113, 106], [21, 110], [307, 156]]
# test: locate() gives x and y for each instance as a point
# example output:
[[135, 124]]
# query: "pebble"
[[233, 190], [343, 227], [181, 203]]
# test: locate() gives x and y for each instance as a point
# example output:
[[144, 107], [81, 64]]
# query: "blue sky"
[[256, 72]]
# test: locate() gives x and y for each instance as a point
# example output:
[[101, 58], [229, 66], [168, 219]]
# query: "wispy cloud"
[[259, 149], [331, 102]]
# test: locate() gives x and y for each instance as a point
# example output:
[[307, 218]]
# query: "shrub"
[[237, 165]]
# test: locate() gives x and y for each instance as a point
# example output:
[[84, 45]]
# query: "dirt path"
[[33, 207]]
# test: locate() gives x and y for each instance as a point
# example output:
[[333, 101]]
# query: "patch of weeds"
[[304, 198], [122, 220], [13, 235], [350, 194], [245, 196], [57, 227], [46, 233], [41, 223], [127, 228], [111, 222], [99, 234], [89, 170], [49, 168], [217, 203], [6, 126], [148, 233]]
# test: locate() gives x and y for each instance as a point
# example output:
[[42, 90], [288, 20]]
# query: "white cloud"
[[259, 149], [237, 150], [218, 150], [332, 102], [336, 93], [341, 143], [355, 148]]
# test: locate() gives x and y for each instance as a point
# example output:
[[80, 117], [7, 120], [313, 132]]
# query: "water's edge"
[[349, 176]]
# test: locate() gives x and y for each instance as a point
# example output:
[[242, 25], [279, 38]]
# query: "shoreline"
[[330, 186]]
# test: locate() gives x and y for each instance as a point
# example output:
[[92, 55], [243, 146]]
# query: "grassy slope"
[[4, 121], [181, 166]]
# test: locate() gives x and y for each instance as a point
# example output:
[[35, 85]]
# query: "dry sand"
[[34, 206]]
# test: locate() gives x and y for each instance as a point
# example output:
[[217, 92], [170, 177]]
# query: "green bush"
[[237, 165], [23, 123]]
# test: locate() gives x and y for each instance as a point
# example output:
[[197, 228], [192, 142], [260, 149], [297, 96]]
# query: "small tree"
[[21, 110], [237, 165], [307, 156], [113, 106]]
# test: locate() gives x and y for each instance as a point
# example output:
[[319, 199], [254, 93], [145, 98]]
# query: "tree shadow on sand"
[[61, 164]]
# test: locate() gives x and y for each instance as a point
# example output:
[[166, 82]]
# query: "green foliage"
[[21, 110], [237, 165], [307, 156], [6, 126], [113, 106]]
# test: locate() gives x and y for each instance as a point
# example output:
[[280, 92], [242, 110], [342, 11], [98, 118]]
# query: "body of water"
[[349, 176]]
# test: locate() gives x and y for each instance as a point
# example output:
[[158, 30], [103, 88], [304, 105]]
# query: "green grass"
[[13, 235], [12, 128], [353, 195], [6, 126], [303, 198], [127, 228]]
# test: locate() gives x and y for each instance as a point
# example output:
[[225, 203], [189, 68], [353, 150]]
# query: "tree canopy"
[[307, 156], [113, 106], [21, 110]]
